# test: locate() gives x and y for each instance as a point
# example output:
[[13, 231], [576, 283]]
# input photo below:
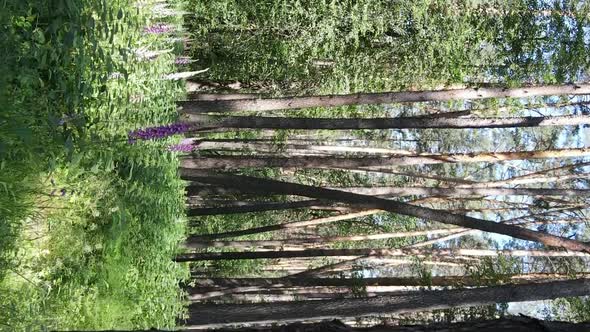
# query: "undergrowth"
[[88, 222]]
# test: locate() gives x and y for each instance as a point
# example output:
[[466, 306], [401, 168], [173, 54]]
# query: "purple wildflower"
[[158, 28], [182, 60], [151, 133], [63, 191]]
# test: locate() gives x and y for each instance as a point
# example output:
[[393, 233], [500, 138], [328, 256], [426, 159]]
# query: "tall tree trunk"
[[463, 191], [373, 252], [288, 282], [258, 207], [195, 243], [506, 324], [204, 315], [370, 202], [418, 122], [380, 98], [291, 148], [220, 96], [232, 162]]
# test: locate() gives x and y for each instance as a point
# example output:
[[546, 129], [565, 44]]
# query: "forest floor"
[[88, 221]]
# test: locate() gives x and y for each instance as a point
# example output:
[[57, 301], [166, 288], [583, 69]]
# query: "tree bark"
[[373, 252], [370, 202], [380, 98], [418, 122], [507, 324], [192, 241], [258, 207], [463, 191], [195, 243], [220, 96], [205, 315], [288, 282], [287, 147], [233, 162]]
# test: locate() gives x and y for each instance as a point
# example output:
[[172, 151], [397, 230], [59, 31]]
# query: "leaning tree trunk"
[[208, 315], [233, 162], [256, 104], [415, 122], [370, 202], [195, 241]]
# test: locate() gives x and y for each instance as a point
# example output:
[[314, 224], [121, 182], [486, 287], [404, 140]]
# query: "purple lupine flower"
[[182, 60], [158, 28], [151, 133]]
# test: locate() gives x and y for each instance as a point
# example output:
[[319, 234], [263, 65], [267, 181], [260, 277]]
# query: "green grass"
[[71, 87]]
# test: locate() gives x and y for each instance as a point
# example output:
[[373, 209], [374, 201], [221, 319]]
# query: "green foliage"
[[341, 46], [573, 309], [88, 223], [493, 271]]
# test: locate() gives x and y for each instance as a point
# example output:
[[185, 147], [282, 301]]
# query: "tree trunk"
[[240, 285], [193, 242], [258, 207], [507, 324], [233, 162], [512, 221], [370, 202], [373, 252], [380, 98], [285, 147], [463, 191], [206, 315], [418, 122], [220, 96], [389, 281]]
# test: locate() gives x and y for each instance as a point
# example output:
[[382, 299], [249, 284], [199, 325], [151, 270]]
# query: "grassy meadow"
[[88, 222]]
